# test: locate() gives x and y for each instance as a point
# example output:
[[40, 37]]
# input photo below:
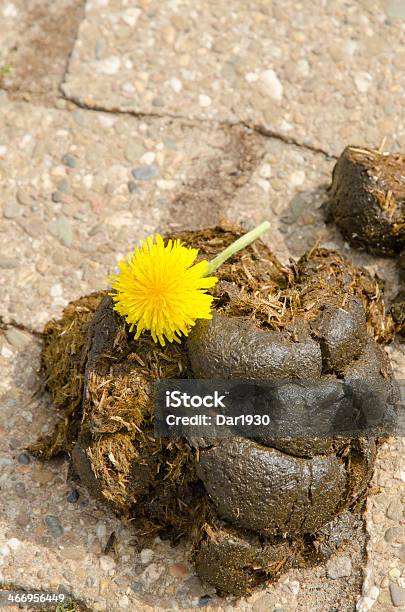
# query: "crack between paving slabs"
[[258, 129], [12, 323], [288, 140]]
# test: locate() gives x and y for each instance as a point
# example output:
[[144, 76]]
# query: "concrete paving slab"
[[326, 73], [36, 39], [78, 190]]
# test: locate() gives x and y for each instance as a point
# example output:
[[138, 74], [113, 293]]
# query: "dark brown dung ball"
[[236, 561], [367, 199], [251, 508]]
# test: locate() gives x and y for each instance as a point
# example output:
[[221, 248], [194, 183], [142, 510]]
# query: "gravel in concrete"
[[171, 88], [325, 73]]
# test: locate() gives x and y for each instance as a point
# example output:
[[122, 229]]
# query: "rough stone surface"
[[324, 74], [204, 175], [397, 595], [339, 567], [79, 188], [36, 39]]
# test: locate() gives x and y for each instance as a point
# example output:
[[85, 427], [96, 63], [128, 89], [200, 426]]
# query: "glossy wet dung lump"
[[252, 508], [367, 199]]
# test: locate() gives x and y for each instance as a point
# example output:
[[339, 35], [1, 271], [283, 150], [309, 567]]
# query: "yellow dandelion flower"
[[160, 289]]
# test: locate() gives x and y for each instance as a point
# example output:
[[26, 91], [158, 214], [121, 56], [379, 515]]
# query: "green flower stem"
[[238, 245]]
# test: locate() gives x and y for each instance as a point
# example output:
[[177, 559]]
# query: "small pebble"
[[204, 100], [146, 555], [179, 570], [24, 459], [8, 263], [204, 601], [23, 519], [17, 338], [190, 587], [384, 582], [133, 151], [72, 496], [34, 227], [363, 81], [63, 186], [397, 595], [56, 197], [54, 526], [123, 602], [14, 443], [176, 85], [11, 210], [56, 290], [79, 117], [6, 353], [297, 178], [101, 531], [20, 490], [395, 510], [339, 567], [13, 543], [69, 160], [393, 534], [132, 186], [145, 172], [166, 185], [61, 228], [128, 88], [151, 574], [271, 84], [265, 171], [109, 66], [107, 563], [401, 553], [251, 77], [60, 104], [148, 158], [24, 197]]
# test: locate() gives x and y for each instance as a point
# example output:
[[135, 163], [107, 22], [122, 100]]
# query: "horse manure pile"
[[252, 508]]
